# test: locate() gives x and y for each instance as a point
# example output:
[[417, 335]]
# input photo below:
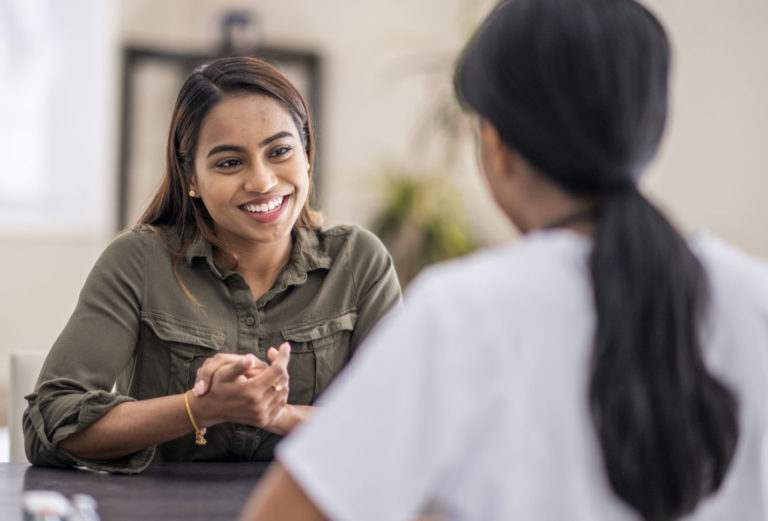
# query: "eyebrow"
[[237, 148], [274, 137]]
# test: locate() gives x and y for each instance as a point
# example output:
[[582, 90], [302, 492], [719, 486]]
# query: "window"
[[57, 117]]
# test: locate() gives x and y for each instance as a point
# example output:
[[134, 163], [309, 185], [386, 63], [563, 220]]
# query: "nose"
[[259, 178]]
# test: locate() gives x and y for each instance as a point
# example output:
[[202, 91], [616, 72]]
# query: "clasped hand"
[[243, 389]]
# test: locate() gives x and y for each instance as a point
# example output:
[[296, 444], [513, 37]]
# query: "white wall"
[[713, 167], [711, 170]]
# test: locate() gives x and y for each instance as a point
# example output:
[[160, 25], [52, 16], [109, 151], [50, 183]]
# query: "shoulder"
[[536, 266], [135, 243], [353, 244], [736, 321], [733, 273], [516, 290], [358, 256], [130, 241], [350, 236]]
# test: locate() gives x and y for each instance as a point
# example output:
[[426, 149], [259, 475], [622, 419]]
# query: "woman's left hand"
[[205, 374]]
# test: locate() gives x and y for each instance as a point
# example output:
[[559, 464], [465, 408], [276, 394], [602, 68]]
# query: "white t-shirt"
[[473, 396]]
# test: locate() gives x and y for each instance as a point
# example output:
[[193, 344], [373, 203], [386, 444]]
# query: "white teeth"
[[270, 205]]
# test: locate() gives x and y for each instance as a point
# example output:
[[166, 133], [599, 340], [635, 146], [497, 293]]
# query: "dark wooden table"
[[166, 491]]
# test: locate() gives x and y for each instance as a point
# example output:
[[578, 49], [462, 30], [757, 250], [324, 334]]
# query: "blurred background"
[[87, 88]]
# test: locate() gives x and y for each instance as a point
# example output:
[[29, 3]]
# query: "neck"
[[579, 220], [546, 205], [258, 263]]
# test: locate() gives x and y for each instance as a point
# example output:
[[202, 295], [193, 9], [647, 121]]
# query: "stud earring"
[[192, 193]]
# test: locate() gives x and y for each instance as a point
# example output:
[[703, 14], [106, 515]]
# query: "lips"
[[264, 205], [265, 209]]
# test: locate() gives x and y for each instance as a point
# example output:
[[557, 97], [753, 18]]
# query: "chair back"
[[25, 368]]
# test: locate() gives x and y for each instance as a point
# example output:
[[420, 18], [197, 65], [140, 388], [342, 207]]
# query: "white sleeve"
[[386, 430]]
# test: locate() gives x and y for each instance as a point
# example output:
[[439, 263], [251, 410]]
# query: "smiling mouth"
[[271, 205]]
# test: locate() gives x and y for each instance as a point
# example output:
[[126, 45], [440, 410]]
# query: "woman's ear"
[[496, 157], [193, 186], [504, 170]]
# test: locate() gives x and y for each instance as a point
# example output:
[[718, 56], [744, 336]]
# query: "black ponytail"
[[579, 87], [667, 428]]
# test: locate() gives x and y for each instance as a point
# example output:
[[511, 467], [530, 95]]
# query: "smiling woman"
[[183, 312], [251, 166]]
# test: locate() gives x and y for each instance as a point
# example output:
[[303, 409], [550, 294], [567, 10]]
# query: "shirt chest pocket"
[[319, 351], [184, 346]]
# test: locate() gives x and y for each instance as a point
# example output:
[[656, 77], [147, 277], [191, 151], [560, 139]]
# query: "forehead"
[[245, 117]]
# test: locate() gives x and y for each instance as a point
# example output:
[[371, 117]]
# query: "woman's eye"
[[280, 151], [229, 163]]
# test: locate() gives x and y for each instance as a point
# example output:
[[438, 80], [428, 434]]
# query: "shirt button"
[[250, 321]]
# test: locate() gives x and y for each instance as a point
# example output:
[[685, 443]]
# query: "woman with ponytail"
[[602, 367]]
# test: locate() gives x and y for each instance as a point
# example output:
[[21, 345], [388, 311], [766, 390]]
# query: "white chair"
[[25, 368]]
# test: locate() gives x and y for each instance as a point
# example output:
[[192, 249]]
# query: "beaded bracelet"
[[199, 433]]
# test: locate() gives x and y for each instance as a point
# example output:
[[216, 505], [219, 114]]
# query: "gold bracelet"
[[199, 433]]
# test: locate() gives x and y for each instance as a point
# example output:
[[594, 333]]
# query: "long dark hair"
[[202, 91], [579, 87]]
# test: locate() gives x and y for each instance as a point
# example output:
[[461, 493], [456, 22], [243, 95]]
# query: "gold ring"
[[277, 387]]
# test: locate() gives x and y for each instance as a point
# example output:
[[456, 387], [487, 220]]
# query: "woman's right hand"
[[243, 389]]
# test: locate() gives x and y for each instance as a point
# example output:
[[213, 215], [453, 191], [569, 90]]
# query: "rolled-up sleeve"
[[74, 388]]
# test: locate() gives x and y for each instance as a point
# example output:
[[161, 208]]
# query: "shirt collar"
[[306, 256], [200, 248]]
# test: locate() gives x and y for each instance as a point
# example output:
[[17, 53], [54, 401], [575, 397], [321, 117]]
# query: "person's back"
[[513, 336]]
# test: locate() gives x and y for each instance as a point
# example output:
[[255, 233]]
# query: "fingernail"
[[199, 387], [287, 345]]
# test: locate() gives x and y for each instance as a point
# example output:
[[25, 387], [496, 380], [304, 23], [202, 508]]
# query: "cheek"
[[304, 182], [216, 193], [298, 176]]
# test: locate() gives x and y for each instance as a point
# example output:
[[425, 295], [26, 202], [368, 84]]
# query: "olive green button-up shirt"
[[135, 334]]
